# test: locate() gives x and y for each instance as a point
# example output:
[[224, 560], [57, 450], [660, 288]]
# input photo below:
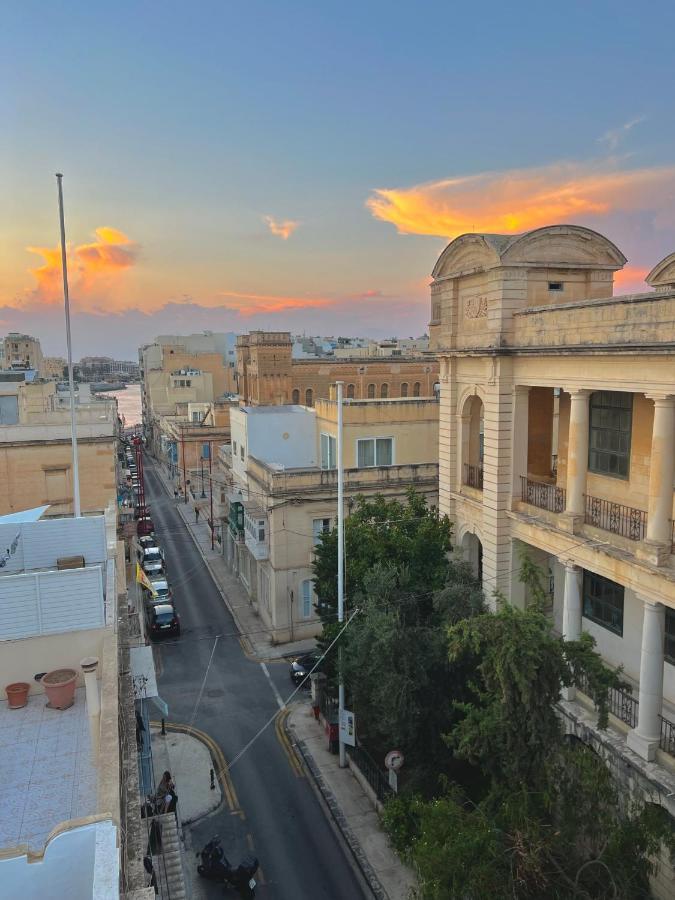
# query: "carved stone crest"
[[475, 307]]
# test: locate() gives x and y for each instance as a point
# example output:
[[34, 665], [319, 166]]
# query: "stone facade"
[[267, 374], [283, 508], [557, 437]]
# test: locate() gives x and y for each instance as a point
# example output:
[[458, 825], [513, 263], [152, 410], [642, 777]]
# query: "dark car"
[[303, 665], [144, 526], [162, 620]]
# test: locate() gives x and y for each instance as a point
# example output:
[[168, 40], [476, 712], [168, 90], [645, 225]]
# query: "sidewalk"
[[351, 809], [255, 636], [190, 762]]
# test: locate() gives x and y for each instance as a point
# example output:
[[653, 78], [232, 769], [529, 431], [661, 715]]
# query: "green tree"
[[400, 681], [408, 536]]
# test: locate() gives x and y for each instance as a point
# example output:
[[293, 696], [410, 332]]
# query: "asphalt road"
[[209, 683]]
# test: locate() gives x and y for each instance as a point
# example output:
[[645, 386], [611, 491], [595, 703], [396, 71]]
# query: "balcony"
[[255, 530], [542, 494], [625, 521], [624, 706], [473, 476]]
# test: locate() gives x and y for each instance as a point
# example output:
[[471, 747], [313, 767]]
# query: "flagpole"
[[71, 380]]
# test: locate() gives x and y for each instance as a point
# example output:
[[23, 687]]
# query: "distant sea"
[[128, 403]]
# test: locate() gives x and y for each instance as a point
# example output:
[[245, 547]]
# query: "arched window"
[[416, 389], [384, 391], [350, 391], [404, 389], [296, 396], [309, 397], [371, 391]]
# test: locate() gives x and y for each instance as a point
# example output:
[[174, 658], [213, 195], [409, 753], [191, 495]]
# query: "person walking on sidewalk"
[[196, 514], [175, 493]]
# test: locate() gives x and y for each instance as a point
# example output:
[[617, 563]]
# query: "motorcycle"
[[215, 866]]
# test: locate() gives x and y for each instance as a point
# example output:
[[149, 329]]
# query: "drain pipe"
[[89, 666]]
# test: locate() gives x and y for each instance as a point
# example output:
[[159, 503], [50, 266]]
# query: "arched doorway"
[[472, 549]]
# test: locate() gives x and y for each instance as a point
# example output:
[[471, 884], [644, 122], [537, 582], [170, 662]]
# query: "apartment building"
[[54, 367], [21, 351], [36, 452], [180, 369], [278, 490], [188, 440], [267, 374], [557, 438], [60, 815]]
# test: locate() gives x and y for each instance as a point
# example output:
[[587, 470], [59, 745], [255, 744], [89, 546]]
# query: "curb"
[[215, 752], [338, 817]]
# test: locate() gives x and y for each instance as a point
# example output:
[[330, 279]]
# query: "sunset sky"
[[301, 165]]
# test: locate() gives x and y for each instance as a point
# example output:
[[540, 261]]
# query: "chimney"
[[89, 666]]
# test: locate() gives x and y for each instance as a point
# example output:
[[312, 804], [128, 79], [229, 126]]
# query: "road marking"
[[286, 746], [220, 764], [277, 695]]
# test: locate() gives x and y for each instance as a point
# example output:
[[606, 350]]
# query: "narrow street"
[[209, 683]]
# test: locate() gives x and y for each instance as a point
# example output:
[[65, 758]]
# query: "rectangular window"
[[374, 452], [328, 451], [603, 602], [195, 416], [241, 451], [555, 286], [206, 450], [319, 527], [234, 447], [306, 599], [669, 642], [611, 417]]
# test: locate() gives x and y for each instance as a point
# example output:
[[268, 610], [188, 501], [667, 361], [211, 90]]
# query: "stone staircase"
[[169, 865]]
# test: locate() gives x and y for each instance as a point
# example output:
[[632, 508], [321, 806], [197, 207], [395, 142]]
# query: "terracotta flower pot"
[[17, 694], [60, 687]]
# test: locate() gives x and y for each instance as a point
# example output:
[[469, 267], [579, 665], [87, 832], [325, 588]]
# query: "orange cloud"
[[631, 280], [253, 304], [522, 199], [93, 265], [281, 229]]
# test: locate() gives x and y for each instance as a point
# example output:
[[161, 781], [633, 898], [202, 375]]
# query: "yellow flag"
[[143, 579]]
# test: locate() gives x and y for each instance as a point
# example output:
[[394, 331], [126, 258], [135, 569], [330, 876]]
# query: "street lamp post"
[[203, 495], [340, 572]]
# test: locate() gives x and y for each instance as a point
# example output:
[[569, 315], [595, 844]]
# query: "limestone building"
[[277, 490], [36, 456], [557, 437], [267, 373], [21, 351], [179, 369]]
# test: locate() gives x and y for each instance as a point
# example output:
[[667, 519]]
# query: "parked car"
[[144, 526], [162, 591], [162, 620], [147, 540], [303, 665], [153, 561]]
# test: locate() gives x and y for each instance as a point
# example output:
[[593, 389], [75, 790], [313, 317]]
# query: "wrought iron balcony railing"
[[473, 476], [542, 495], [625, 521]]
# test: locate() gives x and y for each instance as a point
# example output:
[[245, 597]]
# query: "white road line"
[[276, 693]]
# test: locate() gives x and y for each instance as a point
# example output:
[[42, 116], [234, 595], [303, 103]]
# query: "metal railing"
[[622, 520], [667, 739], [542, 495], [375, 777], [626, 708], [329, 707], [473, 476]]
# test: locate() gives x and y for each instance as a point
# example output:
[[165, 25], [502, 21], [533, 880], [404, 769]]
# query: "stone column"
[[577, 458], [521, 403], [661, 470], [89, 666], [645, 738], [572, 610]]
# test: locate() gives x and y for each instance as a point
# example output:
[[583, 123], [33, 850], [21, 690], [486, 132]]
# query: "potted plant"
[[17, 694], [60, 688]]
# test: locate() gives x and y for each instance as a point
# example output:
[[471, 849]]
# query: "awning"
[[144, 678]]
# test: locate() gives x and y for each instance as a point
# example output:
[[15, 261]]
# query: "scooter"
[[215, 866]]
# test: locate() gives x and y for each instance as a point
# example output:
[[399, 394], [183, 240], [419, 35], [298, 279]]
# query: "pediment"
[[564, 246], [467, 253], [663, 273]]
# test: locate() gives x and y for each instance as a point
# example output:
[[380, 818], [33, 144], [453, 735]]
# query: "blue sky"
[[182, 126]]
